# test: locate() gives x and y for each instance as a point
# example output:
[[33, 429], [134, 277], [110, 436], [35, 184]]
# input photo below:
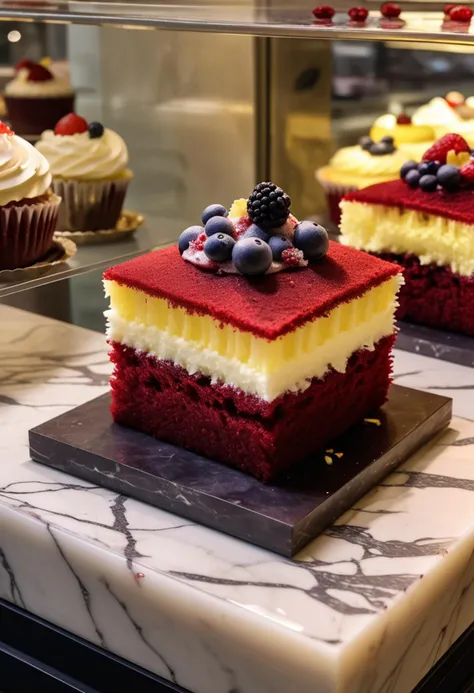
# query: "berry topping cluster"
[[385, 146], [36, 72], [358, 14], [72, 124], [390, 10], [324, 12], [5, 130], [263, 237], [446, 166]]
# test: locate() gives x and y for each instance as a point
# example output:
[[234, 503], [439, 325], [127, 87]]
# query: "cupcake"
[[28, 208], [37, 98], [89, 167], [451, 114], [357, 167], [413, 140]]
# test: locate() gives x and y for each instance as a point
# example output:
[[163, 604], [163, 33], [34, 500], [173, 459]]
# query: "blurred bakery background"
[[206, 115]]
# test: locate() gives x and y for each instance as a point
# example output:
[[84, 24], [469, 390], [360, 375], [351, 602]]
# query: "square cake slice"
[[429, 233], [254, 372]]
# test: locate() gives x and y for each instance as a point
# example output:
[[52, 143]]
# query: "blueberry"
[[255, 231], [278, 244], [219, 247], [213, 211], [381, 149], [219, 225], [428, 168], [366, 142], [312, 239], [412, 178], [188, 235], [407, 167], [449, 177], [252, 256], [428, 183], [387, 139], [95, 130]]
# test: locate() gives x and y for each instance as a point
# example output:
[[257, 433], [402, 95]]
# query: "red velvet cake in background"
[[254, 341], [423, 222]]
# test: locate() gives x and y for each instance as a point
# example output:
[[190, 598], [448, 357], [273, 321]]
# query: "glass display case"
[[212, 97]]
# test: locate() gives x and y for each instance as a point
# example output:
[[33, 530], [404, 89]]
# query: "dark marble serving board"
[[282, 517], [447, 346]]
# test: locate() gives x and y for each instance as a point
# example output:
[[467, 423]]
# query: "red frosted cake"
[[424, 222], [254, 363]]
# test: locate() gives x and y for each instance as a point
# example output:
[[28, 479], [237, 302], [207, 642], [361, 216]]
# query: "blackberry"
[[268, 206]]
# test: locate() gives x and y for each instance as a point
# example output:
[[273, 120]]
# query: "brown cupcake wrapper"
[[334, 194], [90, 205], [32, 115], [26, 232]]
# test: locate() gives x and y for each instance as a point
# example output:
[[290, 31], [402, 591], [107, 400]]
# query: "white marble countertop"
[[368, 607]]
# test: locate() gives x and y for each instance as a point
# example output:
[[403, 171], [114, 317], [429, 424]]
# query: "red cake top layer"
[[458, 206], [268, 306]]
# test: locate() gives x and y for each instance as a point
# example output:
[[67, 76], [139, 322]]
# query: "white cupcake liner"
[[90, 205], [26, 232]]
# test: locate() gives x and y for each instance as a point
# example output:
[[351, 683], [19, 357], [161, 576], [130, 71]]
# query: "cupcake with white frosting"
[[37, 97], [28, 207], [89, 167]]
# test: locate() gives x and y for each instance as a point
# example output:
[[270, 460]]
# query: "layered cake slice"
[[424, 222], [257, 355]]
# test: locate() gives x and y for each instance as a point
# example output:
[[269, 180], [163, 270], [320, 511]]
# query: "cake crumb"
[[292, 283], [339, 454], [377, 422], [328, 459]]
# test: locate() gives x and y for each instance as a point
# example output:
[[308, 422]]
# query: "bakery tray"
[[282, 517]]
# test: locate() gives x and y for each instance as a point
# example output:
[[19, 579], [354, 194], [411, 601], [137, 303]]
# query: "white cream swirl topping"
[[22, 87], [81, 157], [24, 172]]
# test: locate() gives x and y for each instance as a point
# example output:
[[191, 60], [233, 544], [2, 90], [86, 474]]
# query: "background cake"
[[352, 168], [260, 357], [37, 98], [424, 222], [89, 167]]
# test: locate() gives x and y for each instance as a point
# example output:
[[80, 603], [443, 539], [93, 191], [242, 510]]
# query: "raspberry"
[[447, 9], [71, 124], [439, 150], [460, 13], [358, 14], [292, 257], [25, 63], [198, 244], [324, 12], [390, 10], [38, 73], [467, 171], [403, 119], [242, 225], [5, 130]]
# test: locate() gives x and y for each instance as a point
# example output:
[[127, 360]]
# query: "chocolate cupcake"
[[89, 167], [28, 207], [37, 98]]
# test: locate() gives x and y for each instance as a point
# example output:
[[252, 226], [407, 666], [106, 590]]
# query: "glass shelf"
[[154, 233], [257, 19]]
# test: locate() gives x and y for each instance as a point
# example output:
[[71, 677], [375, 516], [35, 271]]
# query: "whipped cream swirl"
[[21, 87], [79, 157], [24, 172]]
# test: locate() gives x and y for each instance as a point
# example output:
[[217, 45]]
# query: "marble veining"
[[367, 607]]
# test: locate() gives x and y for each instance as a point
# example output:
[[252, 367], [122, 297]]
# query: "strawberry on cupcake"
[[28, 207], [37, 98], [89, 168]]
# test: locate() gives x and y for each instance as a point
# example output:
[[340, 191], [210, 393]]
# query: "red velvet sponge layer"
[[216, 421], [458, 206], [434, 296], [268, 306]]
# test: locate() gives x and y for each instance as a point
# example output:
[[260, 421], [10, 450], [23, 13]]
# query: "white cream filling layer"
[[292, 375]]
